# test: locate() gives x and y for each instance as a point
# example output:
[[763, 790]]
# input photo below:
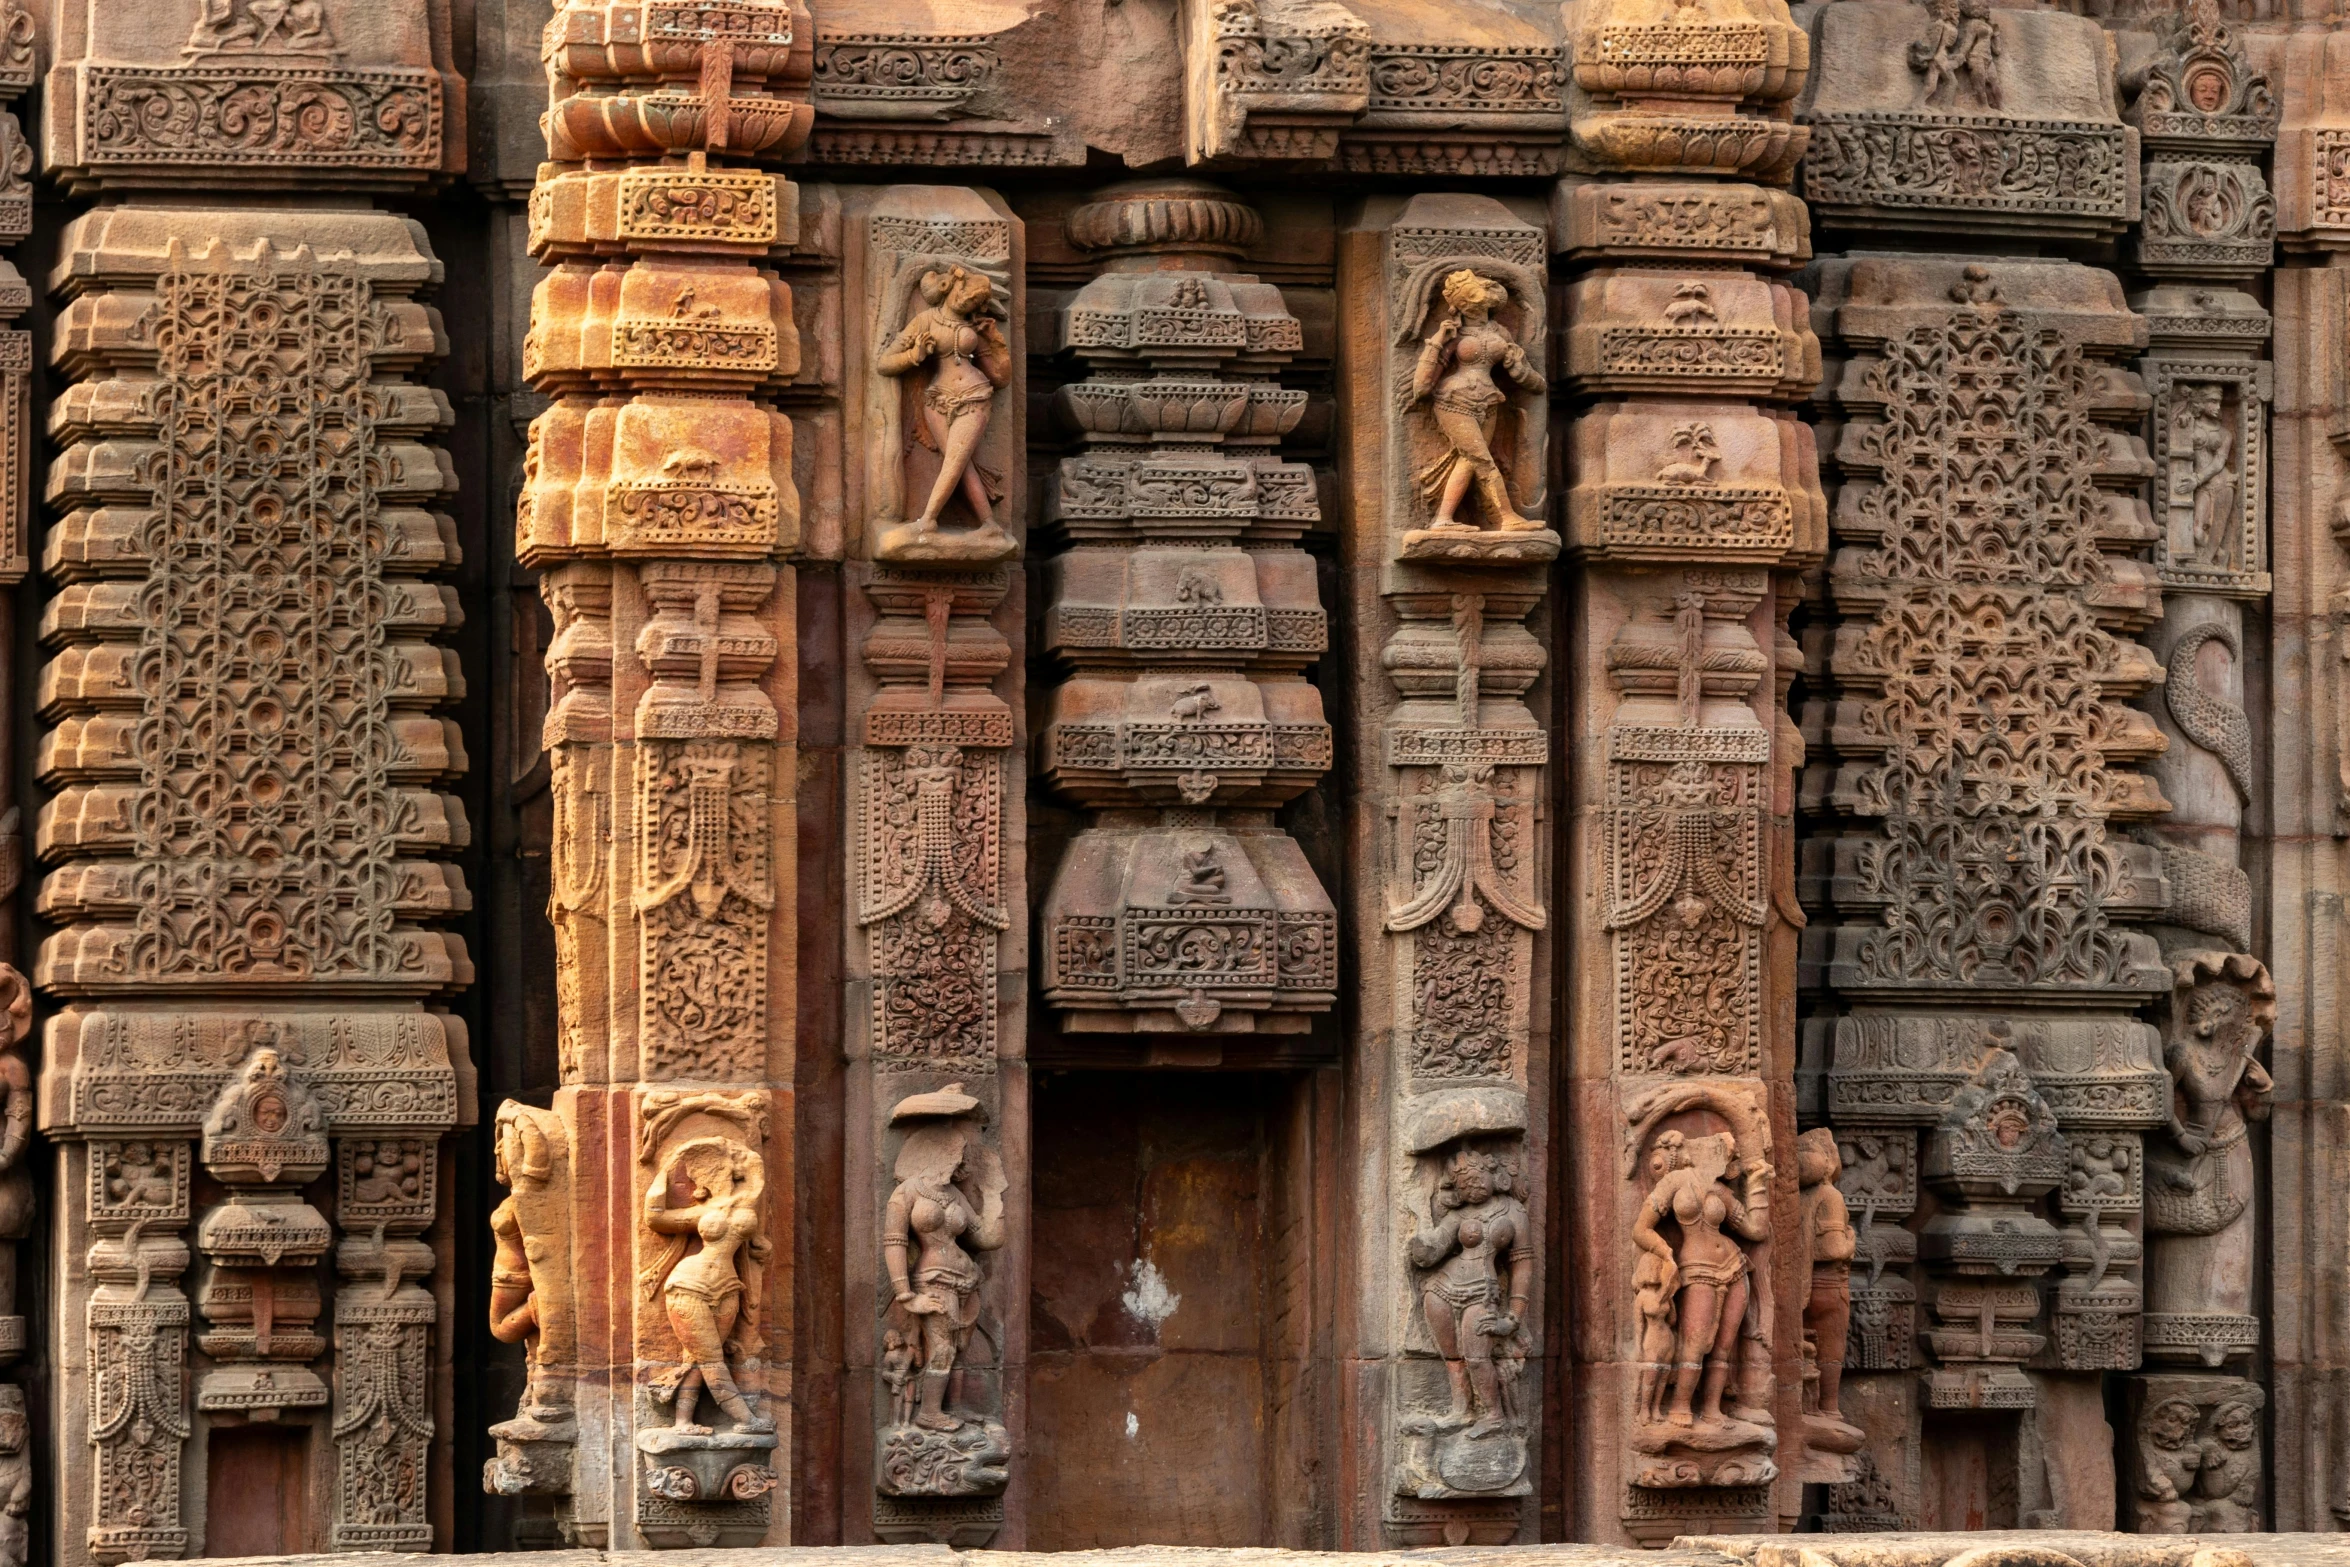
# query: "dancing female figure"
[[711, 1292], [1455, 376], [956, 334]]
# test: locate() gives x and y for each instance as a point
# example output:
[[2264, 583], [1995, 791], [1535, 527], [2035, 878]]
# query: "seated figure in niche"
[[1707, 1279], [2227, 1480], [955, 334], [1455, 376], [711, 1294]]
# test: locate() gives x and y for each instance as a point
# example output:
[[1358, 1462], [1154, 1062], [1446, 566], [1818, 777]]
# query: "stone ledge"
[[1988, 1548]]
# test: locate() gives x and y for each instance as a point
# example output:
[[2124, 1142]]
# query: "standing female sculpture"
[[1707, 1274], [930, 1220], [1455, 376], [711, 1292], [957, 335]]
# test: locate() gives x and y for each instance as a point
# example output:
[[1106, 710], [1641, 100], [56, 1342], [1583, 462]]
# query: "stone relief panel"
[[1961, 115], [1185, 718], [659, 498], [246, 859], [255, 94]]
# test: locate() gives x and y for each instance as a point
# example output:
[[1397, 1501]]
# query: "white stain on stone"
[[1133, 1426], [1149, 1299]]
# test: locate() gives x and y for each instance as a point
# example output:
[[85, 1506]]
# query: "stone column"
[[247, 844], [1700, 1223], [1447, 559], [1973, 885], [1185, 616], [2305, 789], [2205, 118], [660, 505], [934, 412]]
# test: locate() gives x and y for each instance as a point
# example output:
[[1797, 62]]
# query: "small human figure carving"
[[1959, 56], [1707, 1275], [2227, 1481], [524, 1165], [1479, 1252], [2200, 435], [2168, 1458], [1827, 1311], [957, 335], [711, 1294], [1455, 377], [1203, 877], [941, 1212]]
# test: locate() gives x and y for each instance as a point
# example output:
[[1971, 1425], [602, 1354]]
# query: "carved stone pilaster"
[[659, 502], [1449, 552], [936, 407], [1185, 617], [246, 856], [1719, 1275]]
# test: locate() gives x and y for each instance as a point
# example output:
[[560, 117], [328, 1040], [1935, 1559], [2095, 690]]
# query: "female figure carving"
[[1481, 1244], [708, 1276], [956, 334], [930, 1228], [1455, 376], [2201, 435], [1706, 1275]]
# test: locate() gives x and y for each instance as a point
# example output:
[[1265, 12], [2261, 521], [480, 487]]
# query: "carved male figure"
[[16, 1479], [1829, 1243], [524, 1164], [1480, 1246], [710, 1294], [2168, 1458], [1455, 377]]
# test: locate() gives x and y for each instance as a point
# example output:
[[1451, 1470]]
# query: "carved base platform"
[[1412, 1522], [2210, 1337], [967, 1522], [906, 545], [1481, 546]]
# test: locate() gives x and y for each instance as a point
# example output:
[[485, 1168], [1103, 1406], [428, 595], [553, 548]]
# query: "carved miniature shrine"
[[1037, 774]]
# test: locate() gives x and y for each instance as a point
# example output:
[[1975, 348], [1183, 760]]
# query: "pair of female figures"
[[956, 334], [1695, 1297], [1455, 376], [710, 1291]]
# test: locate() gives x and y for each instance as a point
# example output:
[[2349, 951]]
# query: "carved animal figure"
[[1198, 702], [1691, 302], [1694, 442], [2217, 725]]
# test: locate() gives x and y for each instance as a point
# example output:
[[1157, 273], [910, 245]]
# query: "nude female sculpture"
[[711, 1294], [1707, 1275], [958, 337], [1480, 1231], [1455, 376], [930, 1221]]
